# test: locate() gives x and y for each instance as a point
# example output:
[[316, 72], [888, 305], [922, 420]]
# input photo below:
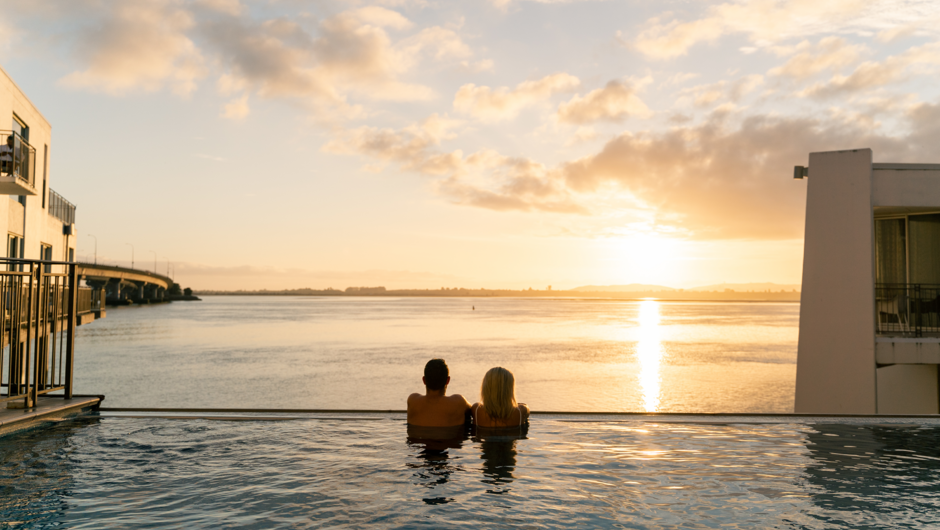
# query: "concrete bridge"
[[125, 286]]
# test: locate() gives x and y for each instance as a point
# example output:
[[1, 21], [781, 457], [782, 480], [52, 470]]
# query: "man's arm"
[[410, 402]]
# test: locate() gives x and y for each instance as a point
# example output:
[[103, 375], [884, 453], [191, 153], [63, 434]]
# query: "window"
[[890, 251], [924, 249], [15, 250], [45, 253], [71, 254], [45, 172], [907, 250], [20, 128]]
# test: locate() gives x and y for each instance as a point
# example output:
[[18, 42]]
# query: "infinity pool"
[[363, 471]]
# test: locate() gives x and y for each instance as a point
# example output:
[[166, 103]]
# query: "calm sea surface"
[[369, 353]]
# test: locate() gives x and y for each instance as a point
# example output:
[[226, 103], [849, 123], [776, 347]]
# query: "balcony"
[[907, 310], [907, 318], [17, 165], [60, 208]]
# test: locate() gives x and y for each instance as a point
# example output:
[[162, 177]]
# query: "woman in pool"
[[499, 409]]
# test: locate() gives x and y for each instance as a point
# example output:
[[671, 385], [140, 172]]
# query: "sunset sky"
[[503, 143]]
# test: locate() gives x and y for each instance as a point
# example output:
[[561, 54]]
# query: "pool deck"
[[47, 410]]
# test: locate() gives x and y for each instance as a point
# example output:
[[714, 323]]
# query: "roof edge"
[[906, 167], [7, 75]]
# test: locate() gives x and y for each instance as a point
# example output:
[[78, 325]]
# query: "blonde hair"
[[498, 393]]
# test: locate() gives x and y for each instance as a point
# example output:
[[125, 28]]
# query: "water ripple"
[[150, 473]]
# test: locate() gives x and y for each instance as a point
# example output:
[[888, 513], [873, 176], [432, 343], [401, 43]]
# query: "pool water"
[[365, 472]]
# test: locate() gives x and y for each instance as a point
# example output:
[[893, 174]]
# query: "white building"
[[870, 308], [37, 222]]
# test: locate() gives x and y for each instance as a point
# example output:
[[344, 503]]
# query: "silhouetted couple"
[[497, 408]]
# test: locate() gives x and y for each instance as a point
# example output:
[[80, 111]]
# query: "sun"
[[649, 258]]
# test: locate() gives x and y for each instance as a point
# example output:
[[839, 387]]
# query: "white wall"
[[906, 187], [836, 352], [908, 389], [36, 225]]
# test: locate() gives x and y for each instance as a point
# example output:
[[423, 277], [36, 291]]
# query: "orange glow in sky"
[[485, 143]]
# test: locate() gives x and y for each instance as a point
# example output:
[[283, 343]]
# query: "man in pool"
[[434, 408]]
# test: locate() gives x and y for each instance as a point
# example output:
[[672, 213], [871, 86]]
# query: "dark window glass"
[[925, 248], [890, 251]]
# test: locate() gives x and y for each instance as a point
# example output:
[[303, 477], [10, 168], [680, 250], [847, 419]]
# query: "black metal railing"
[[907, 309], [39, 313], [60, 208], [17, 158]]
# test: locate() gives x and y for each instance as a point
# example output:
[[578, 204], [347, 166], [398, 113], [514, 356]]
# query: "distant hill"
[[744, 287], [632, 288]]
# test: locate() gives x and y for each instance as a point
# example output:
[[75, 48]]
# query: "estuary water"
[[577, 355]]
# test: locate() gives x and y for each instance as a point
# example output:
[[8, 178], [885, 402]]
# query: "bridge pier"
[[140, 295], [124, 286]]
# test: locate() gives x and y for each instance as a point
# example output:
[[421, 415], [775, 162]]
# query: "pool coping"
[[250, 414]]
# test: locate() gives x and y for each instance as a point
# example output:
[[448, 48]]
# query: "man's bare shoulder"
[[459, 400], [414, 397]]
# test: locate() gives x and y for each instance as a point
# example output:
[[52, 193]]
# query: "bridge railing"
[[39, 313]]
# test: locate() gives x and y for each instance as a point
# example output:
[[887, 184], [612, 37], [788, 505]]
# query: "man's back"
[[435, 410]]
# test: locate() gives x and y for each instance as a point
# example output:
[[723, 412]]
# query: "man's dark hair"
[[435, 374]]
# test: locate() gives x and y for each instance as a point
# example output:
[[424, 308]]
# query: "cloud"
[[762, 20], [729, 179], [830, 53], [724, 91], [228, 7], [487, 104], [874, 74], [320, 64], [376, 16], [138, 45], [443, 43], [483, 65], [278, 58], [517, 185], [581, 134], [484, 179], [351, 53], [236, 109], [503, 5], [726, 177], [665, 40], [412, 148], [898, 32], [614, 103]]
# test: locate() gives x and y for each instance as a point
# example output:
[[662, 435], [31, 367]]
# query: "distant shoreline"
[[669, 296]]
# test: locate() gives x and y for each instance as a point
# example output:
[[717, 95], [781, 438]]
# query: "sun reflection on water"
[[650, 354]]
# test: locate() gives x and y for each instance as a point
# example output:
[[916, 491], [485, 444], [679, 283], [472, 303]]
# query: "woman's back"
[[516, 418]]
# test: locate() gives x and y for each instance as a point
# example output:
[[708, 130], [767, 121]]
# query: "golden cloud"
[[487, 104], [139, 45], [614, 103]]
